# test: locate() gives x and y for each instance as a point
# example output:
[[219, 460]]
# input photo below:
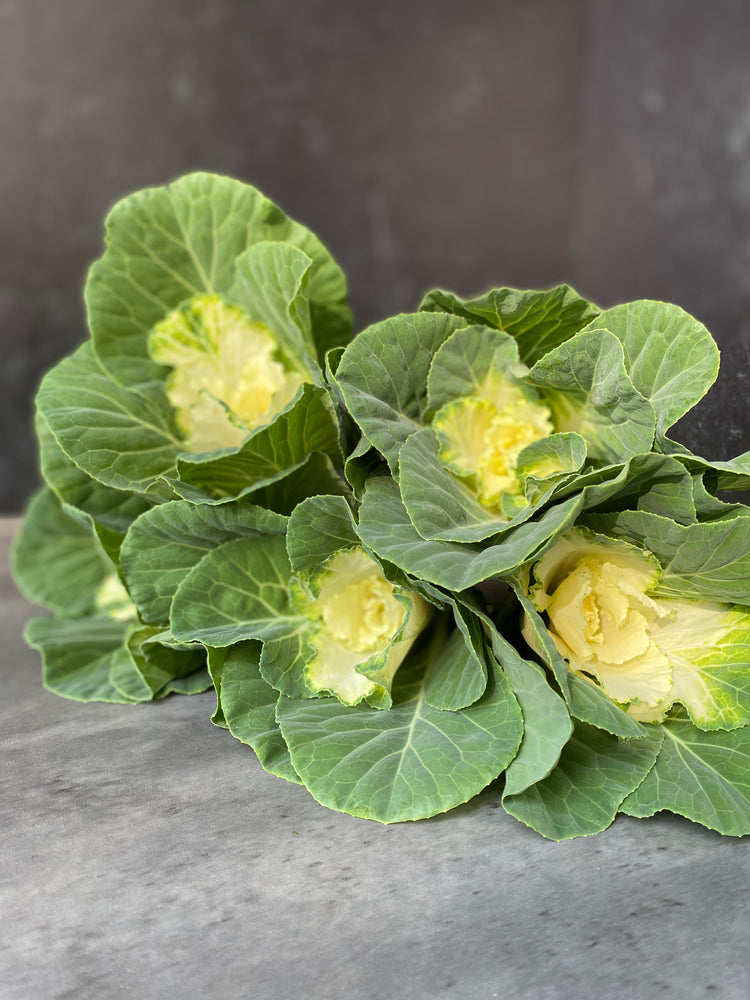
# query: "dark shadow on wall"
[[518, 142]]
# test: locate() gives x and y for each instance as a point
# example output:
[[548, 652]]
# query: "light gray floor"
[[145, 854]]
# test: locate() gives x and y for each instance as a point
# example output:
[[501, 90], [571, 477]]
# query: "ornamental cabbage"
[[329, 620], [363, 626], [211, 280], [358, 618], [476, 440], [646, 651], [229, 374], [481, 439]]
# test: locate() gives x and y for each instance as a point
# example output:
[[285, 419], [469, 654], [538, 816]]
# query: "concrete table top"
[[146, 854]]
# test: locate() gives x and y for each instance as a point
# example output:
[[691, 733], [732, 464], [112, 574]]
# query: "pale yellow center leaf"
[[364, 614], [601, 617], [646, 652], [480, 442], [359, 618], [228, 376]]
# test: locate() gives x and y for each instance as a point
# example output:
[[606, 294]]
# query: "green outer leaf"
[[622, 487], [567, 451], [708, 560], [588, 703], [539, 321], [169, 244], [671, 358], [465, 360], [440, 506], [161, 662], [332, 359], [308, 424], [710, 656], [361, 464], [316, 476], [319, 527], [123, 439], [56, 561], [581, 796], [110, 541], [707, 506], [409, 762], [114, 510], [586, 384], [194, 683], [271, 284], [125, 676], [77, 656], [165, 543], [384, 526], [383, 377], [702, 776], [215, 662], [283, 660], [239, 590], [540, 641], [670, 493], [457, 676], [547, 725], [731, 475], [248, 705]]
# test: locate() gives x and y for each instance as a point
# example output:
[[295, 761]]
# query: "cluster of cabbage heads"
[[456, 547]]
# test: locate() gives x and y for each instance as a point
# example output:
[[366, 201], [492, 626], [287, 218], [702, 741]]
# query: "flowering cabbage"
[[478, 442], [358, 617], [228, 375], [458, 546], [600, 596], [334, 626], [210, 314]]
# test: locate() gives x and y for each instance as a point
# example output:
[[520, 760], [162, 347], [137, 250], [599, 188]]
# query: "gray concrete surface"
[[147, 855]]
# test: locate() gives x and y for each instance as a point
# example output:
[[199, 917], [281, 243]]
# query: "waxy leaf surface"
[[539, 321], [237, 591], [582, 794], [671, 358], [166, 542], [248, 705], [406, 763], [56, 560], [78, 654], [382, 376], [124, 439], [703, 776]]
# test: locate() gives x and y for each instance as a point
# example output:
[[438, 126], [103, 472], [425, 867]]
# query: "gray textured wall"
[[428, 143]]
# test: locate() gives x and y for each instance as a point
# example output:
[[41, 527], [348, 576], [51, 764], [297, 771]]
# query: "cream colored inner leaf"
[[481, 441], [358, 617], [228, 375], [647, 653]]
